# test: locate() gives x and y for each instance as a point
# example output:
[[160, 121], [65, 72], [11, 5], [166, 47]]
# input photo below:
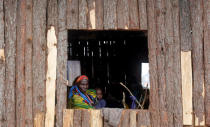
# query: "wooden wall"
[[179, 50]]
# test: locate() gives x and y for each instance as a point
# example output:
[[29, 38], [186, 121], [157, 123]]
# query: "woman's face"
[[83, 85]]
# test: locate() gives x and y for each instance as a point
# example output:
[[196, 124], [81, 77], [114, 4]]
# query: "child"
[[101, 102]]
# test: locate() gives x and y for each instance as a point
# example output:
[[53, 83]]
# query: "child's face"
[[99, 94]]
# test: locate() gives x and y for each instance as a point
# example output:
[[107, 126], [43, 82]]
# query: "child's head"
[[99, 93]]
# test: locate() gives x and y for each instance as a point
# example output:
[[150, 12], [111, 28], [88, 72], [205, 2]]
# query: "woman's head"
[[82, 83]]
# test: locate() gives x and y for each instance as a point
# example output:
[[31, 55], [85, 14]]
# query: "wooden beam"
[[61, 83], [39, 120], [72, 14], [154, 96], [52, 15], [68, 117], [2, 67], [28, 65], [39, 55], [177, 105], [125, 119], [20, 74], [134, 14], [143, 118], [122, 14], [186, 69], [133, 118], [185, 25], [10, 7], [91, 16], [142, 6], [96, 118], [196, 8], [99, 14], [86, 118], [77, 120], [83, 13], [51, 77], [207, 59], [110, 14]]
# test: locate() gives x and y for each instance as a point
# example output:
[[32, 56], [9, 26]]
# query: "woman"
[[80, 96]]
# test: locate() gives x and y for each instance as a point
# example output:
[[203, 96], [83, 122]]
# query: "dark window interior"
[[111, 57]]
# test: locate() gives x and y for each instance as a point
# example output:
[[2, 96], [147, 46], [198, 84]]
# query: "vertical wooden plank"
[[28, 65], [154, 96], [96, 118], [86, 118], [2, 66], [161, 52], [133, 118], [68, 115], [169, 52], [77, 122], [99, 14], [207, 59], [39, 120], [185, 25], [110, 14], [91, 16], [177, 105], [196, 8], [125, 121], [10, 7], [52, 14], [39, 55], [51, 77], [186, 69], [61, 63], [134, 14], [143, 118], [83, 13], [72, 14], [122, 14], [142, 14], [20, 77]]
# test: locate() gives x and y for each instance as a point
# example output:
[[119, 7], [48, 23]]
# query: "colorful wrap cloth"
[[78, 100]]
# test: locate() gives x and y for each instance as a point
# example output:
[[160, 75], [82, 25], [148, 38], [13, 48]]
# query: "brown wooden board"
[[39, 119], [161, 52], [122, 14], [154, 96], [77, 118], [207, 59], [20, 74], [72, 14], [83, 14], [134, 15], [2, 67], [142, 6], [39, 55], [99, 14], [110, 14], [86, 118], [10, 7], [68, 117], [196, 8], [185, 25], [177, 90], [169, 52], [143, 118], [61, 88], [125, 118], [52, 14], [28, 65], [91, 14]]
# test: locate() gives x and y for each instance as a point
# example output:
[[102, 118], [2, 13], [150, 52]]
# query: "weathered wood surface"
[[207, 59], [142, 6], [133, 15], [52, 14], [196, 8], [39, 119], [143, 118], [110, 14], [68, 117], [154, 96], [185, 25], [91, 14], [125, 119], [39, 55], [86, 118], [10, 7], [72, 14], [61, 63], [28, 65], [133, 118], [177, 89], [2, 67], [122, 14], [96, 118], [186, 69], [99, 14], [83, 14], [51, 77], [77, 120], [20, 74]]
